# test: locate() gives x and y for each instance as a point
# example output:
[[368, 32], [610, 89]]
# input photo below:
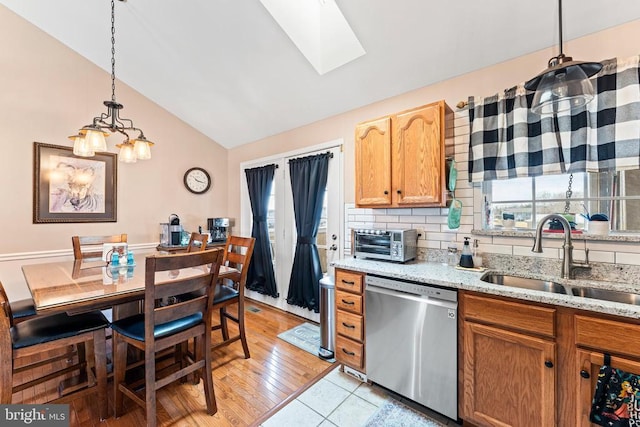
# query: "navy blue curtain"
[[260, 277], [308, 184]]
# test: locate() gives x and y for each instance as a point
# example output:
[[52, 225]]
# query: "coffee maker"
[[175, 230], [219, 229]]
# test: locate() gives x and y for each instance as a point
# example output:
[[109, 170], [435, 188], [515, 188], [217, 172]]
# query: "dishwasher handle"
[[413, 297]]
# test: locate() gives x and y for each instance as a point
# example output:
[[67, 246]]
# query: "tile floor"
[[338, 400]]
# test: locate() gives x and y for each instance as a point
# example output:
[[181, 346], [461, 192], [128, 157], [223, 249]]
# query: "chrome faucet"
[[568, 264]]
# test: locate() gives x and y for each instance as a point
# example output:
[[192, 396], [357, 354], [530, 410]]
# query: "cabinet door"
[[373, 163], [509, 378], [418, 156], [589, 363]]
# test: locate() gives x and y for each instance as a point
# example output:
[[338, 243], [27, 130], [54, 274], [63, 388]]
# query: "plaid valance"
[[508, 140]]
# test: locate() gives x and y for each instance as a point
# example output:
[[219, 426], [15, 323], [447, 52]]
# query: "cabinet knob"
[[386, 192], [399, 191], [548, 363], [585, 374]]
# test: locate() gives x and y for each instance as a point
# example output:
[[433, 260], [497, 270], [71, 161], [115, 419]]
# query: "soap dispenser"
[[466, 258]]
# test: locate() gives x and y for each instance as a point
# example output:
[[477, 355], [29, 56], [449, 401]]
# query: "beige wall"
[[47, 92], [620, 41]]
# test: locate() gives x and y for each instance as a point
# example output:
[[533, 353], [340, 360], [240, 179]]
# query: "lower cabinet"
[[350, 328], [528, 364], [509, 376], [596, 336]]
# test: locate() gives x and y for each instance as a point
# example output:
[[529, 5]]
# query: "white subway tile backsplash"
[[399, 211], [526, 251], [436, 219], [425, 211], [614, 247], [412, 219], [627, 258], [594, 256], [430, 244], [496, 249], [387, 218], [461, 122]]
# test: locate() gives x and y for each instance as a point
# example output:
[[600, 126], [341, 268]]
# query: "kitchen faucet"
[[568, 264]]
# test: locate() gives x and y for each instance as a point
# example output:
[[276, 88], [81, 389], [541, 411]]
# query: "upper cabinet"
[[400, 159]]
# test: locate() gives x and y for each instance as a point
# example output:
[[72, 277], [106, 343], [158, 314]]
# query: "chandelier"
[[91, 138], [565, 84]]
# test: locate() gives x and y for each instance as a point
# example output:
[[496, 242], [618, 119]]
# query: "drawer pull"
[[346, 325], [584, 374], [350, 353], [347, 282], [348, 302], [548, 363]]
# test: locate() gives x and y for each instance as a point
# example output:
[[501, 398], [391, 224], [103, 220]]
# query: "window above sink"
[[616, 194]]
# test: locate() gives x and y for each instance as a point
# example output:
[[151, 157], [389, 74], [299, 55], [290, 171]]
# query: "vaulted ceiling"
[[220, 65]]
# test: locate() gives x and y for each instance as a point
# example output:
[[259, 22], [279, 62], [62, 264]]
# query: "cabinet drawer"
[[350, 352], [349, 302], [608, 335], [349, 325], [513, 315], [349, 281]]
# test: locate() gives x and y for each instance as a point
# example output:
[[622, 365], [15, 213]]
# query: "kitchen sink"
[[524, 282], [607, 295]]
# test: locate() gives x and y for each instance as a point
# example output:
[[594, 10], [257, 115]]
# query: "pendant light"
[[91, 138], [565, 84]]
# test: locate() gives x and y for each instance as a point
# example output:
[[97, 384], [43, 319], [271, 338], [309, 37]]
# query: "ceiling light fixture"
[[565, 84], [91, 138]]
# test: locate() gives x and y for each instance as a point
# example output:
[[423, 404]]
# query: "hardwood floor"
[[245, 389]]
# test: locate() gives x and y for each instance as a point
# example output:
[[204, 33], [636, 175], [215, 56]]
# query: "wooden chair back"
[[237, 254], [169, 276], [90, 247], [6, 308], [6, 351], [197, 238]]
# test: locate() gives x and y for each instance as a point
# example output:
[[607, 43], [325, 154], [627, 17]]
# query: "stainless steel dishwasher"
[[411, 341]]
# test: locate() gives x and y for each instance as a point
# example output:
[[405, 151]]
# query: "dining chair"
[[162, 327], [90, 247], [237, 254], [38, 336], [197, 242]]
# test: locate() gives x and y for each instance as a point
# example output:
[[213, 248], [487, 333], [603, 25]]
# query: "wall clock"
[[197, 180]]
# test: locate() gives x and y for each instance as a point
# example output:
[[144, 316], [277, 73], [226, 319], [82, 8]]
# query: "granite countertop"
[[443, 275]]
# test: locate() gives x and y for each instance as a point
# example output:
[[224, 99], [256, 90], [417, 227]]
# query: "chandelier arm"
[[111, 120]]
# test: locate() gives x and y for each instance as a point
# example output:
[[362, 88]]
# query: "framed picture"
[[69, 188]]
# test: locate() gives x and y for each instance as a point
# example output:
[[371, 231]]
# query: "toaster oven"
[[386, 245]]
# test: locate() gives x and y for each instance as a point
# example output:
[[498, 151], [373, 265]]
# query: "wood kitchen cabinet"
[[350, 319], [400, 159], [508, 363], [596, 336], [529, 364]]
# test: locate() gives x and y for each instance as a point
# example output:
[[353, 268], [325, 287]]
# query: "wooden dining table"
[[80, 286]]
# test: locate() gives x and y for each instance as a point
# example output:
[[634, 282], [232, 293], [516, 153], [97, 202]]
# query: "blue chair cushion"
[[23, 308], [44, 329], [224, 293], [133, 327]]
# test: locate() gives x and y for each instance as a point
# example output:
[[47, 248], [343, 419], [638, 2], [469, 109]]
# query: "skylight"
[[319, 30]]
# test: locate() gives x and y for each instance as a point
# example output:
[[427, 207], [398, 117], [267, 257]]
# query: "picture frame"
[[72, 189]]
